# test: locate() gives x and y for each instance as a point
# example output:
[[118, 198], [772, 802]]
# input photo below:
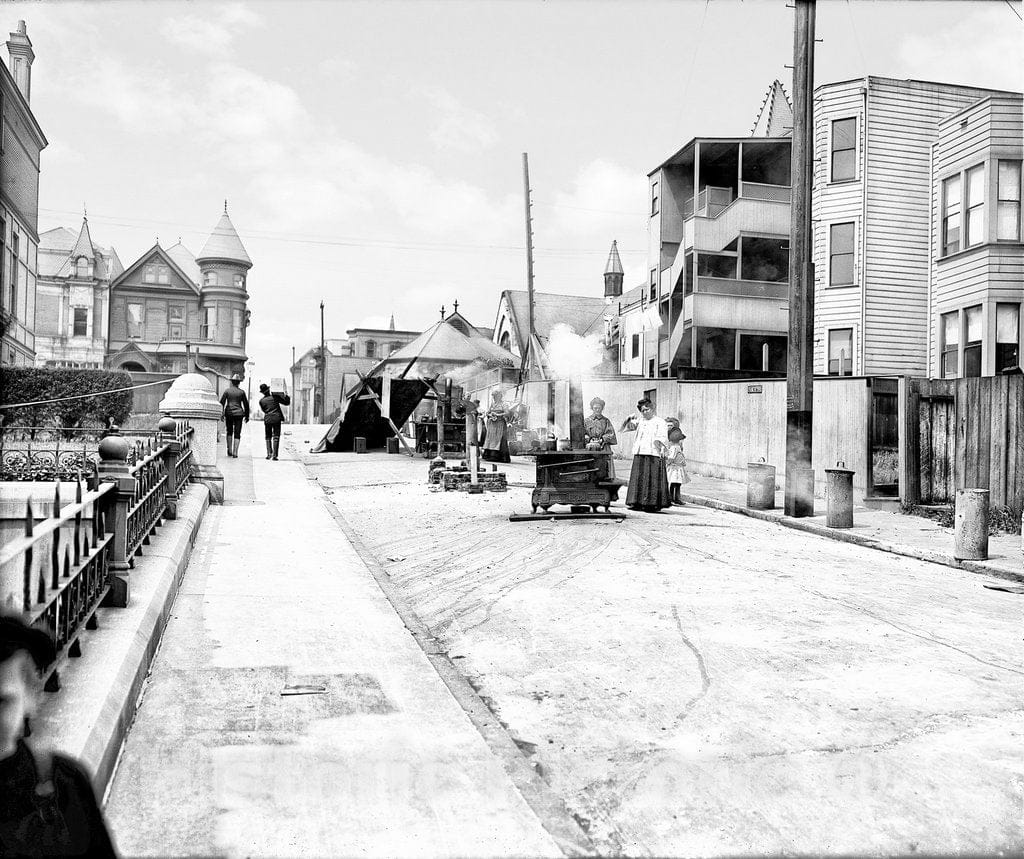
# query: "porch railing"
[[66, 565]]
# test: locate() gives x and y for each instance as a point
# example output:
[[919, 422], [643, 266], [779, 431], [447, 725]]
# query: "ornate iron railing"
[[59, 571], [64, 566], [29, 453]]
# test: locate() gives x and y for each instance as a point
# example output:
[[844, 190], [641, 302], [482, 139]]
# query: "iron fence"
[[33, 453]]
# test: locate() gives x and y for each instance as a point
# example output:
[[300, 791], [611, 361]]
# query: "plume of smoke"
[[570, 355]]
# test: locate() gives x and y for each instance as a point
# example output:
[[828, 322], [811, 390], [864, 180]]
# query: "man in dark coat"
[[273, 417], [47, 804], [236, 410]]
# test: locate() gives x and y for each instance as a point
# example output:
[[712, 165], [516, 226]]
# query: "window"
[[975, 220], [13, 292], [844, 149], [209, 326], [371, 348], [1008, 202], [163, 274], [135, 319], [650, 368], [951, 215], [1007, 336], [210, 278], [82, 267], [752, 352], [80, 326], [176, 322], [716, 265], [394, 346], [840, 352], [840, 254], [236, 326], [654, 198], [149, 274], [654, 284], [239, 280], [972, 342], [636, 346], [950, 344]]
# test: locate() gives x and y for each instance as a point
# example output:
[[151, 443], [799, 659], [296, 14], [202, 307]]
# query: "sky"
[[371, 152]]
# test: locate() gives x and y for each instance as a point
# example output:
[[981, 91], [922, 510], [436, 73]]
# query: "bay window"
[[840, 254], [974, 234], [951, 215], [972, 341], [1007, 336], [950, 344], [844, 149], [840, 352], [1008, 202]]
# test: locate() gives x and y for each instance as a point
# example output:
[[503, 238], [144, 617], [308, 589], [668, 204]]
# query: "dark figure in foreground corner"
[[648, 482], [273, 417], [47, 804], [236, 410]]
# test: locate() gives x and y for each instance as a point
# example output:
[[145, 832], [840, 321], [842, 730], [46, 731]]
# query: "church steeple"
[[613, 273]]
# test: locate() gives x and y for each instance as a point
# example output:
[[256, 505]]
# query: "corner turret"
[[613, 273]]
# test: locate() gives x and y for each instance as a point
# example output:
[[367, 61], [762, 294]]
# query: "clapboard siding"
[[982, 133], [836, 307], [903, 122]]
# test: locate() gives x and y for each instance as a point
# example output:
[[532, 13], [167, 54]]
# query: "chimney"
[[19, 49], [613, 273]]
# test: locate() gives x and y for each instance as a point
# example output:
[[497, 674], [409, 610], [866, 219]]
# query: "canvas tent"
[[361, 414]]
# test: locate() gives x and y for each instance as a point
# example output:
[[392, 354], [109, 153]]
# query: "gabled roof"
[[224, 243], [186, 262], [447, 342], [775, 118], [580, 312], [130, 350], [60, 247], [155, 252]]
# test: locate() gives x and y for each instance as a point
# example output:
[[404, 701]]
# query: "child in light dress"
[[675, 465]]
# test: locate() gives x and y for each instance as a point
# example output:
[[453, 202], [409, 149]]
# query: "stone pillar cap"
[[190, 394]]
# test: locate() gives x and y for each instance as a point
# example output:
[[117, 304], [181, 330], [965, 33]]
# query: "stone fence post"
[[114, 468], [191, 398], [169, 436]]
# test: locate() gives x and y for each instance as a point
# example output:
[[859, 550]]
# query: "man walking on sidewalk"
[[273, 417], [236, 410]]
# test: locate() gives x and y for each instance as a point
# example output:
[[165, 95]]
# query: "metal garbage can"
[[359, 444], [839, 496], [970, 525], [392, 444], [760, 485]]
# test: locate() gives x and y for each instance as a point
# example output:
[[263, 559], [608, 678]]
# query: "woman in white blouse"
[[648, 482]]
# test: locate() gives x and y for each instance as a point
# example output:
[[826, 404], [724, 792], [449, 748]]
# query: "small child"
[[675, 465]]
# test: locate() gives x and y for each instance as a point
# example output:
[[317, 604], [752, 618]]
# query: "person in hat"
[[47, 803], [675, 465], [599, 432], [273, 417], [648, 482], [236, 410]]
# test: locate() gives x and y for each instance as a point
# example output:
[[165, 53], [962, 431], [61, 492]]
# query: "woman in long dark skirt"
[[495, 442], [648, 482]]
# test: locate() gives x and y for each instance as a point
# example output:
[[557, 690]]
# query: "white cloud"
[[213, 34], [604, 198], [458, 128], [932, 56]]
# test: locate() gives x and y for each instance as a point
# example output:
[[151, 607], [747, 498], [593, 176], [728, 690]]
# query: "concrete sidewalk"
[[374, 756]]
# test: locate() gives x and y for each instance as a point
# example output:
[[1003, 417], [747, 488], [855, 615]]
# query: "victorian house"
[[169, 303], [73, 298], [21, 142]]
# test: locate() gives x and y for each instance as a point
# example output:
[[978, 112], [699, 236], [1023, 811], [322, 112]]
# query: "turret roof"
[[83, 247], [224, 244], [775, 119], [614, 264]]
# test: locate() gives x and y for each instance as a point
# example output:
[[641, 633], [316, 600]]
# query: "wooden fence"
[[965, 433]]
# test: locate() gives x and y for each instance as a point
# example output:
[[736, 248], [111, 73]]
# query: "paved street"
[[700, 683]]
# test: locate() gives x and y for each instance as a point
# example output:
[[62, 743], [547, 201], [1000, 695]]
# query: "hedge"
[[29, 384]]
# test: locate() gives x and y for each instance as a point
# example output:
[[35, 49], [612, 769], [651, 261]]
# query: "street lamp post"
[[248, 375]]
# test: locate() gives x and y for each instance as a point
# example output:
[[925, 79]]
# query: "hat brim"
[[16, 636]]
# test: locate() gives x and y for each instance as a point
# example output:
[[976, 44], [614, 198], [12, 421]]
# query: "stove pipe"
[[576, 430]]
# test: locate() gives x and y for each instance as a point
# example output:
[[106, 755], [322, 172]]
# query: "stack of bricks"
[[459, 479]]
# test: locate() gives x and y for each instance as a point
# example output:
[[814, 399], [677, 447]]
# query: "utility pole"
[[323, 367], [529, 251], [800, 358]]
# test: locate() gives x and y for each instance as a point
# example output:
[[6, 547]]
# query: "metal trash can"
[[760, 485], [970, 525], [359, 444], [392, 444], [839, 496]]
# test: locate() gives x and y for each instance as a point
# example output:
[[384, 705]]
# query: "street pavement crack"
[[705, 679]]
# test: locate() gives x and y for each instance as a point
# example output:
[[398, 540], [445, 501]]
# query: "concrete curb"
[[549, 808], [988, 568], [89, 717]]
